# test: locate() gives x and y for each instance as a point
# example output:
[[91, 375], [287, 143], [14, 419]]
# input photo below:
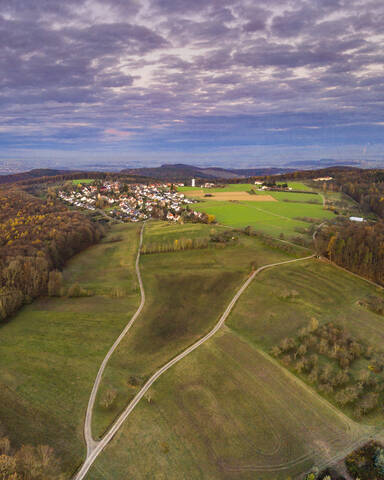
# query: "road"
[[95, 448], [90, 442]]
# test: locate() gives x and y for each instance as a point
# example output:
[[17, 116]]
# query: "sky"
[[232, 83]]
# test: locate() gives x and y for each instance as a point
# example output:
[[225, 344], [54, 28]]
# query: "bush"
[[77, 291], [365, 462], [108, 398]]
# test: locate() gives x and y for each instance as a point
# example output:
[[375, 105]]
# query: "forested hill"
[[41, 176], [36, 238], [358, 247], [31, 174], [181, 172]]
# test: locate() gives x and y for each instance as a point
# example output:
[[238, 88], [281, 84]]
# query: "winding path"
[[91, 443], [94, 448]]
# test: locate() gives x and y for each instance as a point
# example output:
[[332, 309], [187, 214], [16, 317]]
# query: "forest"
[[359, 247], [36, 238], [28, 462]]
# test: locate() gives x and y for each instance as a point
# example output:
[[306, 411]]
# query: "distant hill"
[[322, 163], [36, 173], [180, 172]]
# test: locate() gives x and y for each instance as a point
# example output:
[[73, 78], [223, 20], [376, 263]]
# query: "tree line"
[[36, 238], [28, 462], [357, 247]]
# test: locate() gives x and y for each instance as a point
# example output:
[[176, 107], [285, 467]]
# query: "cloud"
[[185, 74]]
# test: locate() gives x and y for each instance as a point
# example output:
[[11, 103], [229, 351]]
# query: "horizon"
[[225, 84]]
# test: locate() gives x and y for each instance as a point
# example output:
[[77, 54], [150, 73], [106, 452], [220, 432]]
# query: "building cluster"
[[132, 202]]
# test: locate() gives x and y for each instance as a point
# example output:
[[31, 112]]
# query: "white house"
[[356, 219]]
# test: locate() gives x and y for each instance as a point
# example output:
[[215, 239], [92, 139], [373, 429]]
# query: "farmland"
[[273, 212]]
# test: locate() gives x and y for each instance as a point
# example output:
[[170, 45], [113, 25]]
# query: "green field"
[[83, 181], [199, 282], [51, 350], [283, 300], [274, 218], [226, 411]]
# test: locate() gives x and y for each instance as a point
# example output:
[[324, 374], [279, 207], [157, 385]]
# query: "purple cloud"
[[152, 68]]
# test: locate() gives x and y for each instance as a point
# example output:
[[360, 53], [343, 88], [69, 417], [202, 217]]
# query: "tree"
[[5, 446], [55, 281], [313, 325], [379, 460], [7, 467], [108, 398]]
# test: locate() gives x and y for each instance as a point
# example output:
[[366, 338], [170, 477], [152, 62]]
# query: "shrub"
[[108, 398], [76, 290]]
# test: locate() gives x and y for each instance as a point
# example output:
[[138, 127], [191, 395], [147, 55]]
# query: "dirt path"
[[90, 442], [95, 448]]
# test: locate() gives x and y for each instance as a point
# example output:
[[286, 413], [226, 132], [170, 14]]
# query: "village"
[[132, 203]]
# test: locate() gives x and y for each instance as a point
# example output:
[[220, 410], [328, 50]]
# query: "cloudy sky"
[[224, 82]]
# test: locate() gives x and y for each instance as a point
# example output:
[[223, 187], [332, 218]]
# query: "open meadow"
[[281, 302], [226, 412], [186, 292], [51, 350], [82, 181], [276, 213], [218, 413]]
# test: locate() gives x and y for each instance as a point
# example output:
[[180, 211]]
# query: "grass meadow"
[[186, 292], [281, 301], [283, 216], [82, 181], [51, 350], [228, 409], [225, 411]]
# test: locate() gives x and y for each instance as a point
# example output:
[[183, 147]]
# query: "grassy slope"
[[186, 293], [51, 350], [265, 315], [224, 412]]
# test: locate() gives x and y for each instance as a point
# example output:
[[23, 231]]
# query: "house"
[[356, 219]]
